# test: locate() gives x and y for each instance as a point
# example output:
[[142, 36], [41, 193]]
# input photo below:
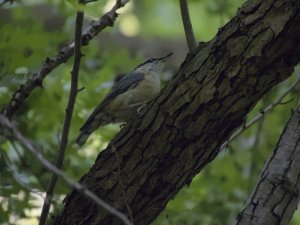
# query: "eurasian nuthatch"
[[126, 97]]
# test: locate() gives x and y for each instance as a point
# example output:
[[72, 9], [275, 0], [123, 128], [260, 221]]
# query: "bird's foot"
[[141, 109], [123, 125]]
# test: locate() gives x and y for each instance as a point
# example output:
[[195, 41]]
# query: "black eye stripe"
[[147, 61]]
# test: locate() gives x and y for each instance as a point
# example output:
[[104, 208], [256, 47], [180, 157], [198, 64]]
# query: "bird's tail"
[[89, 127], [83, 136]]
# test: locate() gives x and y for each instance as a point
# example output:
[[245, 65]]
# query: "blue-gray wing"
[[127, 82]]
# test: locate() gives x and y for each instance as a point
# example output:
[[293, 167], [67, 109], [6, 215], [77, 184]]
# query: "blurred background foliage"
[[32, 30]]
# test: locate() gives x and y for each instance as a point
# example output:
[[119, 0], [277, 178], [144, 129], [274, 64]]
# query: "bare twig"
[[62, 56], [10, 131], [80, 89], [278, 101], [188, 28], [254, 148], [68, 116]]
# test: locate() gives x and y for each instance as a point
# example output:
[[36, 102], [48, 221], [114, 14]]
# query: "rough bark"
[[183, 128], [276, 195]]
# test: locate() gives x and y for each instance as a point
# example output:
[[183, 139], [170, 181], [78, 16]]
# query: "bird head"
[[153, 64]]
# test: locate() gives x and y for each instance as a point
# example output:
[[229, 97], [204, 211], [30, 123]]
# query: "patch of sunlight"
[[3, 90], [22, 70], [32, 214], [111, 3], [129, 25], [94, 145], [189, 204]]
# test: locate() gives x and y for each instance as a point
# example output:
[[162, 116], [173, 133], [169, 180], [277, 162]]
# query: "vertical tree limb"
[[188, 28], [276, 195], [68, 116]]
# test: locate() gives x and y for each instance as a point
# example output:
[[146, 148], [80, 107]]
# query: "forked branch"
[[262, 114]]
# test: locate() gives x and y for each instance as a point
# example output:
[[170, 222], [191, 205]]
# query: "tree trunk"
[[276, 195], [183, 128]]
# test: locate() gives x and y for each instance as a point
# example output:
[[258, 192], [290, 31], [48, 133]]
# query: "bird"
[[127, 97]]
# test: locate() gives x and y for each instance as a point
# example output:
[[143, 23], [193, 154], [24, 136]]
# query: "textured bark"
[[183, 128], [276, 196]]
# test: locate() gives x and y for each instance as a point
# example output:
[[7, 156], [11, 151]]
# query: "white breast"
[[124, 105]]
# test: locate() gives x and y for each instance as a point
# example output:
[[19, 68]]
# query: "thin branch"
[[9, 130], [278, 101], [254, 148], [276, 195], [68, 116], [62, 56], [188, 28]]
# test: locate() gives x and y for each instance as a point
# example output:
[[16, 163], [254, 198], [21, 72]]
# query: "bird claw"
[[141, 109], [123, 125]]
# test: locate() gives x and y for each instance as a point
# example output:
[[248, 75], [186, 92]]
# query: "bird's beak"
[[164, 58]]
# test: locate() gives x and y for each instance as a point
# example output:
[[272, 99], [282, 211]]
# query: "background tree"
[[218, 192]]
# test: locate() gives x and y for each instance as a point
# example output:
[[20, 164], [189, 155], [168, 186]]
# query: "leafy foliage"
[[215, 196]]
